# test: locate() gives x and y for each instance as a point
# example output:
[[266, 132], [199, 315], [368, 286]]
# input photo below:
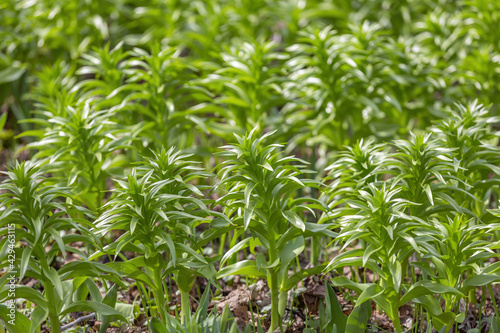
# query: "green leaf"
[[372, 248], [334, 314], [15, 322], [342, 281], [294, 219], [109, 299], [3, 120], [495, 325], [59, 241], [25, 259], [38, 316], [157, 326], [430, 304], [248, 214], [293, 280], [357, 322], [423, 288], [369, 293], [26, 293], [93, 306], [233, 250], [289, 252], [201, 311], [185, 279], [445, 319], [56, 281], [129, 311], [171, 246], [11, 74], [248, 194], [261, 262], [478, 281], [244, 267], [428, 191]]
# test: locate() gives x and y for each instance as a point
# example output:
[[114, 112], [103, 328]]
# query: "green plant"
[[468, 132], [455, 250], [378, 218], [89, 88], [43, 231], [81, 145], [104, 69], [353, 85], [427, 175], [360, 165], [261, 197], [199, 322], [158, 90], [248, 85], [158, 209], [334, 320]]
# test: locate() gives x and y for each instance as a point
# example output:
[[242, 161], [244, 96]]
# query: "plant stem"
[[283, 298], [222, 244], [145, 305], [396, 322], [272, 278], [472, 296], [185, 307], [166, 288], [55, 325], [313, 250], [273, 285], [483, 292], [160, 297], [490, 289], [251, 310]]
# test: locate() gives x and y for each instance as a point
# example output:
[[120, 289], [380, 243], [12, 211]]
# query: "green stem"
[[421, 319], [472, 296], [283, 298], [166, 288], [490, 289], [160, 297], [313, 250], [275, 317], [185, 308], [272, 278], [222, 244], [396, 322], [142, 295], [481, 306], [395, 309], [55, 325]]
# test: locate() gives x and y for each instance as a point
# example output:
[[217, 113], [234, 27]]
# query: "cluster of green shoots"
[[163, 148], [419, 214]]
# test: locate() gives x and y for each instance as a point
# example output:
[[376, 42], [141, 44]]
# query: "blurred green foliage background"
[[190, 73]]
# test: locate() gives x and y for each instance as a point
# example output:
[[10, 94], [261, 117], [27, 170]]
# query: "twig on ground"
[[78, 321]]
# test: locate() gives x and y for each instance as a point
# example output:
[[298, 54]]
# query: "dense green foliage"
[[161, 146]]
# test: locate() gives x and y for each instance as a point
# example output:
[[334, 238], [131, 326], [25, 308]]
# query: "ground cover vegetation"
[[249, 166]]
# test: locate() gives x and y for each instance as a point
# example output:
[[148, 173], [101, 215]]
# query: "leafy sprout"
[[159, 210], [261, 197], [43, 222]]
